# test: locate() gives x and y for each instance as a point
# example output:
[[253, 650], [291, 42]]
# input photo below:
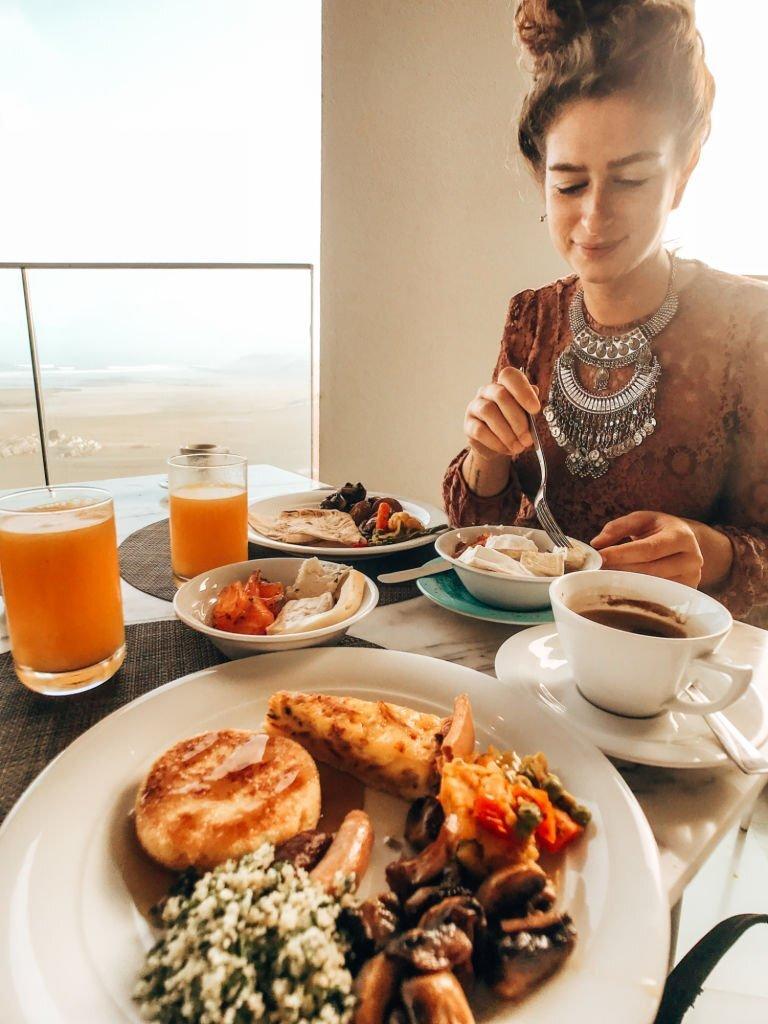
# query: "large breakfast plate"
[[428, 514], [74, 882]]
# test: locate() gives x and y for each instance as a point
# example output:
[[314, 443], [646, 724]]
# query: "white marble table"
[[688, 811]]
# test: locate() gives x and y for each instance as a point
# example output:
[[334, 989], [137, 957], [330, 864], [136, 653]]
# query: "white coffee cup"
[[636, 675]]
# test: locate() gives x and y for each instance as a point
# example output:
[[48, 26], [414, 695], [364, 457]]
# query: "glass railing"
[[106, 369]]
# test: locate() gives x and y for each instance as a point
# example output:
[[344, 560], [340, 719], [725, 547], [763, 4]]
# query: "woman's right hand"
[[496, 421]]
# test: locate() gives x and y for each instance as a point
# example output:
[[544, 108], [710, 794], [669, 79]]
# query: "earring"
[[542, 218]]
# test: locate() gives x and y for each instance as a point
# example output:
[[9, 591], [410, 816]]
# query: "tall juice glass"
[[61, 586], [208, 497]]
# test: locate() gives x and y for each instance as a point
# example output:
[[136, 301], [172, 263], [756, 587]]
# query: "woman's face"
[[612, 175]]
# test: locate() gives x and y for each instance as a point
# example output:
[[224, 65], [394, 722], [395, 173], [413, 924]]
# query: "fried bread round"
[[221, 794]]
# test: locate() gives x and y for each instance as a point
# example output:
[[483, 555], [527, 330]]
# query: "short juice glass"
[[61, 587], [208, 498]]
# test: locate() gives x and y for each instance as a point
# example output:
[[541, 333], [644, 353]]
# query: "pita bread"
[[310, 524], [306, 617], [275, 530]]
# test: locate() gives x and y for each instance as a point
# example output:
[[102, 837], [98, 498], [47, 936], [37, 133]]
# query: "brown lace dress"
[[707, 459]]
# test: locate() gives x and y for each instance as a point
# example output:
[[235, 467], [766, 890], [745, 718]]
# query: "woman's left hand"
[[653, 543]]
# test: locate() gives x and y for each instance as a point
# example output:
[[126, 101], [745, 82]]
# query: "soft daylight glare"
[[725, 208], [179, 131], [159, 131]]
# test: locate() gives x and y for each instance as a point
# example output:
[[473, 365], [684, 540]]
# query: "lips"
[[598, 248]]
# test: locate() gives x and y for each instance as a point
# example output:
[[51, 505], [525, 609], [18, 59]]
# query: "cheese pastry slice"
[[390, 748]]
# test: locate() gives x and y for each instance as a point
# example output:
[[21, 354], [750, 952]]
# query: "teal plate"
[[447, 590]]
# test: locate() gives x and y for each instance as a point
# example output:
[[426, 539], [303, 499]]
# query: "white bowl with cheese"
[[194, 602], [499, 575]]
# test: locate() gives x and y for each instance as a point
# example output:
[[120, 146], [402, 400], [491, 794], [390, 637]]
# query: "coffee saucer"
[[532, 663]]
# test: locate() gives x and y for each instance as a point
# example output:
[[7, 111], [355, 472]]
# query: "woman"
[[647, 375]]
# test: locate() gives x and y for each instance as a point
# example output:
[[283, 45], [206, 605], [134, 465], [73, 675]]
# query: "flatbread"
[[349, 599], [323, 524]]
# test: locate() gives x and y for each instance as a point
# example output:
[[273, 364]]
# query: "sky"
[[160, 130]]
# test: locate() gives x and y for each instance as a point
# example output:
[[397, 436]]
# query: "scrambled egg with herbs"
[[461, 785]]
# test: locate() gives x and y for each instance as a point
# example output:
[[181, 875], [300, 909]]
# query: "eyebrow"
[[646, 154]]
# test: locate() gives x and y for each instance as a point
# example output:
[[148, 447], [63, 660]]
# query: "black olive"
[[394, 504], [360, 512], [368, 527], [335, 500]]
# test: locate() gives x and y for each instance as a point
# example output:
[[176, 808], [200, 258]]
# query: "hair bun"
[[545, 26]]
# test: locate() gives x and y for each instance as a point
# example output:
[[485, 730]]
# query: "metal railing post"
[[36, 377]]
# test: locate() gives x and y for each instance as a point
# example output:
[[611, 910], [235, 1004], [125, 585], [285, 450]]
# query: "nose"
[[596, 211]]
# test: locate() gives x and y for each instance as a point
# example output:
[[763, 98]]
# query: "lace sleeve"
[[744, 517], [463, 506]]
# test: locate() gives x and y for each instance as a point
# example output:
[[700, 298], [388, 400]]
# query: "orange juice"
[[209, 527], [61, 586]]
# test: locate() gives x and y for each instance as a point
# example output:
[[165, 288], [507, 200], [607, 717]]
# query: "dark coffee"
[[646, 618]]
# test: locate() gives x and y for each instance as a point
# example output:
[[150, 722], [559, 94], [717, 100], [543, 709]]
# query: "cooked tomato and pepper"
[[510, 808]]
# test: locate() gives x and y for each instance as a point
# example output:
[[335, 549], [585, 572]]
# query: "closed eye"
[[569, 190], [631, 182]]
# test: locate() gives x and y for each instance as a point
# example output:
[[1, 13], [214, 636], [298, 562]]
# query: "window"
[[721, 219], [176, 132]]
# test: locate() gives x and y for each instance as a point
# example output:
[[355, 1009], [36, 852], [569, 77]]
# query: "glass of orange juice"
[[208, 497], [61, 586]]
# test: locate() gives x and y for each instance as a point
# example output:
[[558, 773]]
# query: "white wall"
[[429, 225]]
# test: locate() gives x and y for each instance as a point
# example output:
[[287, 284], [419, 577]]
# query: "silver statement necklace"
[[595, 428]]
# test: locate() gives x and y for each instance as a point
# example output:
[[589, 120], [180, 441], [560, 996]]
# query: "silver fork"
[[744, 754], [545, 517]]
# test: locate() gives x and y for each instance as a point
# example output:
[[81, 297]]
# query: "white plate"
[[532, 663], [193, 603], [428, 514], [73, 938]]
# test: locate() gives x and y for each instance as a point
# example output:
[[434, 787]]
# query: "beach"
[[129, 427]]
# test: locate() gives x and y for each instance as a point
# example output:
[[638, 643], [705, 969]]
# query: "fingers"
[[502, 407], [636, 524], [520, 388], [647, 549], [671, 567], [479, 433], [497, 421]]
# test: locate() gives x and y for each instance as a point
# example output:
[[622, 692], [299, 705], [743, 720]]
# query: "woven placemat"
[[34, 728], [145, 563]]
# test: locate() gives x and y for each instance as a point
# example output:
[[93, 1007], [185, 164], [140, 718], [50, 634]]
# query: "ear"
[[687, 171]]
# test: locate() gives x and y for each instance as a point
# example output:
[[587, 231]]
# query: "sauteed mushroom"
[[433, 949], [409, 873], [536, 921], [376, 988], [507, 891], [436, 999], [305, 849], [463, 911], [424, 821], [520, 962], [372, 924], [428, 895]]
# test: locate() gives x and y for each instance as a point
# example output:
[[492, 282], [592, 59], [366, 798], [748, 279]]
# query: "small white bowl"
[[194, 603], [510, 592]]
